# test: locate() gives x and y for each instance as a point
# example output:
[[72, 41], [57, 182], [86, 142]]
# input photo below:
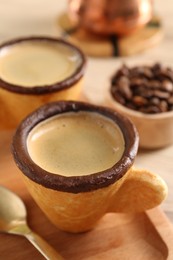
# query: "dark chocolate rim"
[[67, 83], [73, 184]]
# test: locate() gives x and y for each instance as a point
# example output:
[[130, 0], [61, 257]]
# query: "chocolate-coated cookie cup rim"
[[49, 88], [73, 184]]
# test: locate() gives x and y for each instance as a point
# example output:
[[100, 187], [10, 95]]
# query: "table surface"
[[23, 18]]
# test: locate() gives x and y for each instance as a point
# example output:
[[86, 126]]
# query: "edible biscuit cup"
[[76, 203], [18, 101]]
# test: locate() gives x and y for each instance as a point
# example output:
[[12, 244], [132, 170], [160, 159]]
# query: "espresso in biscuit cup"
[[77, 162]]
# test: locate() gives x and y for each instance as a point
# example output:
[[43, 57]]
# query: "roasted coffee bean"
[[148, 73], [113, 81], [170, 100], [167, 85], [143, 71], [167, 74], [146, 89], [118, 97], [123, 81], [155, 101], [150, 110], [148, 93], [156, 67], [139, 90], [135, 82], [163, 106], [154, 84], [124, 71], [161, 94], [139, 101], [130, 105], [124, 88]]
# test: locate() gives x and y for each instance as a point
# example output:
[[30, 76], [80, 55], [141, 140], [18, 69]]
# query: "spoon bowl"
[[12, 210], [13, 216]]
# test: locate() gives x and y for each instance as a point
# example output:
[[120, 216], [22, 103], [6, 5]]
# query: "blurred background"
[[23, 18]]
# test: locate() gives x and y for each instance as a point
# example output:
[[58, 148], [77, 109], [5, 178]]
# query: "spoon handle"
[[43, 247]]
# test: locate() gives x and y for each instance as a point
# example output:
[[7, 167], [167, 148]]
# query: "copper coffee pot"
[[110, 16]]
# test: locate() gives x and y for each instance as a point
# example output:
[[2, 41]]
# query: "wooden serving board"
[[145, 236], [112, 45]]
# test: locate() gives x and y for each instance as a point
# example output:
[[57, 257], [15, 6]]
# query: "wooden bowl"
[[155, 130]]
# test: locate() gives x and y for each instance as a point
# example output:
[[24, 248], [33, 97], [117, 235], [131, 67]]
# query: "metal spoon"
[[13, 221]]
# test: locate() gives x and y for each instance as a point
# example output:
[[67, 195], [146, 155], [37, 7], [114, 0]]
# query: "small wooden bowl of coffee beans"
[[145, 95]]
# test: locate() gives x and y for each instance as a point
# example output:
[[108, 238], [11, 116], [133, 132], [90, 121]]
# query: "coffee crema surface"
[[37, 63], [76, 144]]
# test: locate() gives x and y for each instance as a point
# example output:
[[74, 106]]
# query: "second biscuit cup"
[[35, 71]]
